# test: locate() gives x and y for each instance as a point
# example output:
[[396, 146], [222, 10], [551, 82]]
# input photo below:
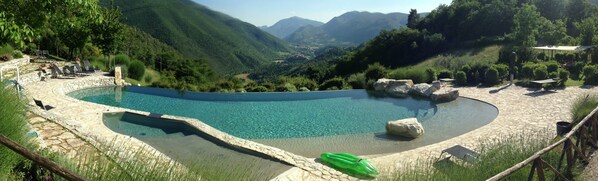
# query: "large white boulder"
[[423, 89], [381, 84], [398, 89], [445, 95], [409, 128]]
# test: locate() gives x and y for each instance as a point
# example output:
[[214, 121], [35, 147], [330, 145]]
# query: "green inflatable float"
[[349, 163]]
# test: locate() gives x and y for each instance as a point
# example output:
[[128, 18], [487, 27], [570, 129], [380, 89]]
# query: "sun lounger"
[[87, 66], [56, 72], [461, 152], [41, 105]]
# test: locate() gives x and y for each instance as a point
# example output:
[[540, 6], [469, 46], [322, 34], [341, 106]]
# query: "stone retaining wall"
[[17, 62]]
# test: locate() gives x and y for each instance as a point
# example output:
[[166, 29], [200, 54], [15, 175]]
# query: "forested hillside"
[[227, 44], [352, 28]]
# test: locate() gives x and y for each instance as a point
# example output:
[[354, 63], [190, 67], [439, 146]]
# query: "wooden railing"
[[43, 161], [586, 136]]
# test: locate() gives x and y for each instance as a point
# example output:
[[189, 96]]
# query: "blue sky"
[[268, 12]]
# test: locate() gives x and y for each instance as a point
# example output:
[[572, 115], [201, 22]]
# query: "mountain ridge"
[[351, 28], [287, 26]]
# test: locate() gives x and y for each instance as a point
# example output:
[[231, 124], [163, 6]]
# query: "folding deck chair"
[[40, 104], [461, 152]]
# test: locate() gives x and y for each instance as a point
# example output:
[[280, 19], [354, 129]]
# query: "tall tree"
[[107, 31], [554, 33], [551, 9], [587, 30], [22, 22], [413, 19], [526, 23]]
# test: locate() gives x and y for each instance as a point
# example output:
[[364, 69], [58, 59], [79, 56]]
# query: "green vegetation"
[[6, 52], [13, 126], [582, 106], [225, 43], [136, 70], [496, 155]]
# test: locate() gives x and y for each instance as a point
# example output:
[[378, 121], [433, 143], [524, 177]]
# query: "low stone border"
[[17, 62]]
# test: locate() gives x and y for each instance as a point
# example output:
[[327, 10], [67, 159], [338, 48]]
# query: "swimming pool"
[[306, 123]]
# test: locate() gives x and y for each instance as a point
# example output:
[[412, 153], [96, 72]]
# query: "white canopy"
[[564, 48]]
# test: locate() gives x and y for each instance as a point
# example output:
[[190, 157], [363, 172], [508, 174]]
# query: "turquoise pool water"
[[270, 115], [306, 123]]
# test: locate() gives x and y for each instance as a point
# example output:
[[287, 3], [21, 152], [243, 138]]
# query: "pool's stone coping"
[[88, 124]]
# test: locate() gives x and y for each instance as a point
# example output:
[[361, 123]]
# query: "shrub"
[[148, 79], [299, 82], [540, 72], [492, 77], [527, 70], [445, 74], [357, 81], [576, 70], [6, 52], [333, 84], [552, 66], [136, 69], [258, 89], [564, 76], [418, 75], [269, 85], [590, 73], [286, 87], [466, 68], [582, 106], [376, 71], [122, 59], [460, 78], [431, 74], [17, 54], [503, 70]]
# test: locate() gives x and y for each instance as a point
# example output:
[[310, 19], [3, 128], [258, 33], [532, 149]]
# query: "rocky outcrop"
[[398, 89], [409, 128], [445, 95], [404, 88], [424, 90]]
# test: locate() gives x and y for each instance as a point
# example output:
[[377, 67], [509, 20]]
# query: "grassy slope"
[[226, 43], [457, 58]]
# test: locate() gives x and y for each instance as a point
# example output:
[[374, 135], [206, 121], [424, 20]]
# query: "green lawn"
[[454, 60], [574, 83]]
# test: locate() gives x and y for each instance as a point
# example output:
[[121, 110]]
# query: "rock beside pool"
[[382, 84], [386, 84], [423, 89], [445, 95], [303, 89], [398, 89], [409, 128]]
